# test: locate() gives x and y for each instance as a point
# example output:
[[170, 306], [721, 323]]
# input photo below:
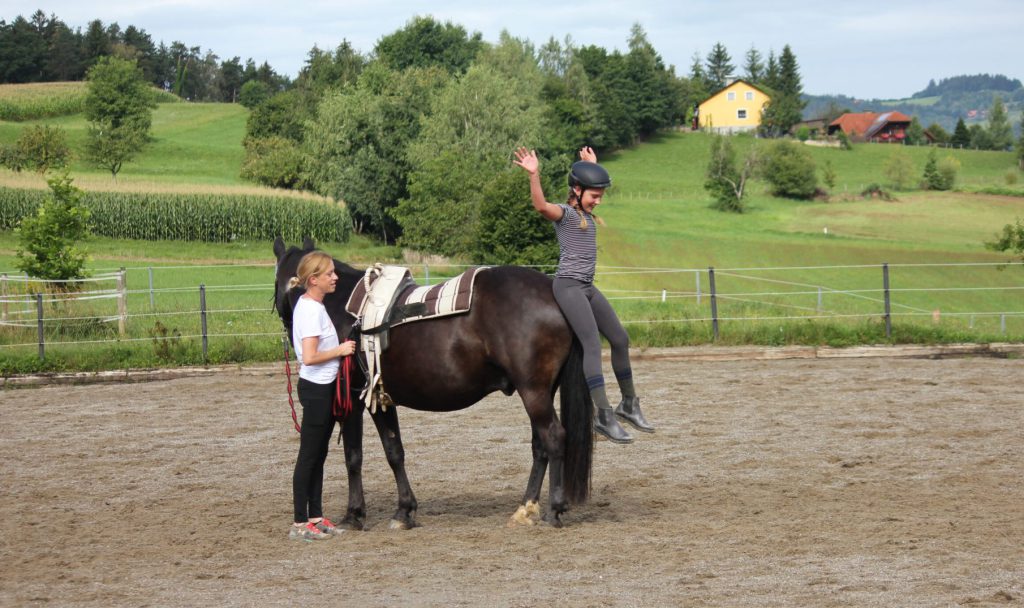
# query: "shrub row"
[[193, 217]]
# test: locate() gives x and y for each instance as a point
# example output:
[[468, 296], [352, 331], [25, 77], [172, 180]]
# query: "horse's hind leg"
[[548, 453], [386, 421], [352, 438], [529, 511]]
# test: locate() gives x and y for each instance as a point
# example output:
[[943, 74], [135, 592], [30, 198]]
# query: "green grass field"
[[776, 265]]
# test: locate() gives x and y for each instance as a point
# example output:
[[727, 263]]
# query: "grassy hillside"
[[193, 143]]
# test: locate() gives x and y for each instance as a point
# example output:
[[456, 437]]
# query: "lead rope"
[[343, 399], [288, 374]]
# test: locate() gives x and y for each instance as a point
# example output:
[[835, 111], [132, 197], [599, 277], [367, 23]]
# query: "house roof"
[[733, 83], [867, 124]]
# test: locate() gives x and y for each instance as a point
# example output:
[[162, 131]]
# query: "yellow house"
[[735, 108]]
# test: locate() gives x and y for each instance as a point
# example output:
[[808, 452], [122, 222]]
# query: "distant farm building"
[[887, 127], [733, 109]]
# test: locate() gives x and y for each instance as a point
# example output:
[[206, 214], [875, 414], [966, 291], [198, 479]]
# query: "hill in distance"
[[943, 102]]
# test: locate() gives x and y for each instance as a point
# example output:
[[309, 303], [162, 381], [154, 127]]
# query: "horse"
[[514, 339]]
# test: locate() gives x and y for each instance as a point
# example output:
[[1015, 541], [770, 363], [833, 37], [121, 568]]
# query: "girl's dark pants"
[[591, 316], [317, 426]]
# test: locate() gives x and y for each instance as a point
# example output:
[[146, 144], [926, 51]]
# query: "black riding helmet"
[[588, 175]]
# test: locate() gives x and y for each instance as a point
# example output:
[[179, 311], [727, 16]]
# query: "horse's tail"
[[578, 420]]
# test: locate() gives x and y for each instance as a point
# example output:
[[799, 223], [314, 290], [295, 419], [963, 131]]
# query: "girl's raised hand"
[[587, 153], [527, 159]]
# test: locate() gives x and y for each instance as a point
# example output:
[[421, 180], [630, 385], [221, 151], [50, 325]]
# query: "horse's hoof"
[[355, 525], [554, 520], [525, 515], [396, 524]]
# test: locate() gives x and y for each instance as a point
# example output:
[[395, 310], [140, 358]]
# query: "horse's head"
[[284, 298]]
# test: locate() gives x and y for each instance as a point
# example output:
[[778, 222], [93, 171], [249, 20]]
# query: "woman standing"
[[587, 310], [318, 351]]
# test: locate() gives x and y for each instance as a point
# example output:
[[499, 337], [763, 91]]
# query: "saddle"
[[387, 297]]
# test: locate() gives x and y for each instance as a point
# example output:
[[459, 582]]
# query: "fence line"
[[878, 299]]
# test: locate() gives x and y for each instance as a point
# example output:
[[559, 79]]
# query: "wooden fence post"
[[122, 302], [39, 325], [888, 303], [714, 301], [202, 316]]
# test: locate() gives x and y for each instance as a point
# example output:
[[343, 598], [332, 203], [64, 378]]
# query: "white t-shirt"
[[310, 319]]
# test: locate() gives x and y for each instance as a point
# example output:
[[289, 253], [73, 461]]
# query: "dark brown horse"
[[514, 339]]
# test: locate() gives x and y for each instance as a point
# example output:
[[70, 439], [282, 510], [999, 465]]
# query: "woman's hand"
[[587, 153], [346, 348], [527, 159]]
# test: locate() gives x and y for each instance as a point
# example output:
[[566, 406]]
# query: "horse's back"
[[513, 337]]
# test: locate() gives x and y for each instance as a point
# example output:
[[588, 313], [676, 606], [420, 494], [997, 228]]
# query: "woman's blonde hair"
[[313, 263]]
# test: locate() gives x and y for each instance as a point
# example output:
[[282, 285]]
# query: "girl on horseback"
[[318, 351], [587, 310]]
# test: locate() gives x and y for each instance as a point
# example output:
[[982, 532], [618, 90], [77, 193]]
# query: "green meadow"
[[786, 272]]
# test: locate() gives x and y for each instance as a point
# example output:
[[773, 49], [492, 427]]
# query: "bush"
[[790, 170], [876, 191], [949, 168], [900, 170], [803, 133], [41, 148], [844, 141], [47, 239], [520, 237], [1011, 177], [273, 161]]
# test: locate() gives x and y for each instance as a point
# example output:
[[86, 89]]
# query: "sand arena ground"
[[867, 482]]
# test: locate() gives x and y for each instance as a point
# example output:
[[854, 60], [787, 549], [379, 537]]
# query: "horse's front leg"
[[386, 420], [352, 438]]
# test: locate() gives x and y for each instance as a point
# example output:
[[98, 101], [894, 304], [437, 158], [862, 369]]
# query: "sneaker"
[[327, 527], [307, 531]]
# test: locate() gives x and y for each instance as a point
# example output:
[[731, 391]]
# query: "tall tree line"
[[416, 136], [43, 48]]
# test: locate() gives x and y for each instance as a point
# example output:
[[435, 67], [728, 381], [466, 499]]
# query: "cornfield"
[[192, 217], [20, 102]]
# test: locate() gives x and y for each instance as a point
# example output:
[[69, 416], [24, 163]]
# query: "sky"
[[867, 49]]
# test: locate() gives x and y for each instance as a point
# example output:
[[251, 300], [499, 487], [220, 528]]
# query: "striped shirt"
[[577, 256]]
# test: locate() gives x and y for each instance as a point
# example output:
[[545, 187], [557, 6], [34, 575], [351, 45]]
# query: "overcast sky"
[[866, 49]]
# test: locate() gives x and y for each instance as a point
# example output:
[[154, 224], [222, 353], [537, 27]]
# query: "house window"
[[750, 96], [741, 114], [731, 95]]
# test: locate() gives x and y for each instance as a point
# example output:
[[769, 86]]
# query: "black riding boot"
[[629, 410], [604, 419]]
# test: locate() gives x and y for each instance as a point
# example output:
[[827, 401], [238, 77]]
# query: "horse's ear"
[[307, 244], [279, 247]]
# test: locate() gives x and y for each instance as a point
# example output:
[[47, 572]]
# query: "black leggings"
[[317, 426], [591, 316]]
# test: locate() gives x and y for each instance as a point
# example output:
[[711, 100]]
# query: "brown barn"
[[888, 127]]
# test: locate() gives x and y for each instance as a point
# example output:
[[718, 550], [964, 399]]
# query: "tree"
[[915, 133], [930, 178], [118, 106], [790, 170], [474, 122], [939, 135], [771, 72], [724, 181], [786, 107], [47, 239], [1020, 145], [357, 146], [753, 69], [42, 147], [424, 42], [1000, 132], [719, 67], [1010, 239], [253, 93], [961, 136]]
